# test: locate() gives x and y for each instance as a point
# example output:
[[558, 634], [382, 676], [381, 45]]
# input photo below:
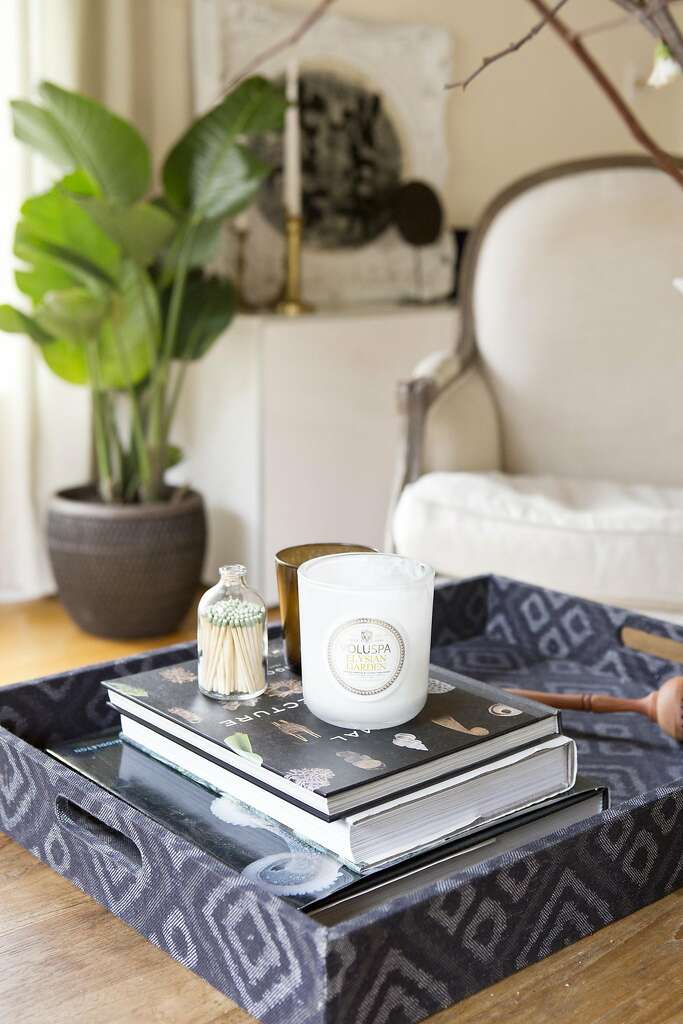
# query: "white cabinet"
[[290, 428]]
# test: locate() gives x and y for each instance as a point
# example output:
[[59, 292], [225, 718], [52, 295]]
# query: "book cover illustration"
[[256, 847], [277, 731]]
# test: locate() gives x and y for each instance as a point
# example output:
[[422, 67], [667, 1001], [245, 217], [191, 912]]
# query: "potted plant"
[[121, 304]]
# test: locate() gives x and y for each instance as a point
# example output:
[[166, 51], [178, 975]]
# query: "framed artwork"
[[372, 105]]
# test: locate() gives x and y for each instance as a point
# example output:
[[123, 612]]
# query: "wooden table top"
[[63, 958]]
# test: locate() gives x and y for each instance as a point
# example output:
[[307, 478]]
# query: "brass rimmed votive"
[[287, 562]]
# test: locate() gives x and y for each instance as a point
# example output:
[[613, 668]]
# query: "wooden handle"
[[597, 702]]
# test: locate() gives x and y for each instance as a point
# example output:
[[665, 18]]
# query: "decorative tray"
[[416, 953]]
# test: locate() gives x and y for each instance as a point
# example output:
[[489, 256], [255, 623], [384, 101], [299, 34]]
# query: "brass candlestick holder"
[[291, 303]]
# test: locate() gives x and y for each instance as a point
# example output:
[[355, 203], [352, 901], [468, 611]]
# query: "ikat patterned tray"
[[417, 953]]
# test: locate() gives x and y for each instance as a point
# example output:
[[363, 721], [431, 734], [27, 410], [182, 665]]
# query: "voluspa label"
[[366, 656]]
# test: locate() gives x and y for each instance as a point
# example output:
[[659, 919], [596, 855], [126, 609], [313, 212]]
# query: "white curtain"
[[133, 55]]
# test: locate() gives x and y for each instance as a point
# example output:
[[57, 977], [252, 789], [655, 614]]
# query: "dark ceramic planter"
[[126, 570]]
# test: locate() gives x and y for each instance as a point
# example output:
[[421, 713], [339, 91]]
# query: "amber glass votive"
[[287, 562]]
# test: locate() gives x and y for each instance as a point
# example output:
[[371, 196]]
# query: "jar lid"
[[366, 571]]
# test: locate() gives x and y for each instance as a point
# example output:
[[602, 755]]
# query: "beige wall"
[[534, 108], [537, 106]]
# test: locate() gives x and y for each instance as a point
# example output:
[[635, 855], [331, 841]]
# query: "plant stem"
[[104, 477], [172, 406], [177, 292], [179, 381], [138, 435], [151, 328], [114, 444], [158, 426]]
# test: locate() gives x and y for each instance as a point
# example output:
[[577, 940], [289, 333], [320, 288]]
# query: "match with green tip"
[[232, 612]]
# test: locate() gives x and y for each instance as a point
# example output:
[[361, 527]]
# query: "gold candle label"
[[366, 656]]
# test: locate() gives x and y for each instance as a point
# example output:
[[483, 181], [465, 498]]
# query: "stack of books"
[[475, 759]]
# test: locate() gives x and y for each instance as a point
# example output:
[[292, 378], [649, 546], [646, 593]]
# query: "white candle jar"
[[365, 622]]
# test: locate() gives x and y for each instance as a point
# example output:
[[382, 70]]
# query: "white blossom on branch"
[[664, 69]]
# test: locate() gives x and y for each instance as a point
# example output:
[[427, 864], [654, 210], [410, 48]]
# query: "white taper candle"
[[292, 161]]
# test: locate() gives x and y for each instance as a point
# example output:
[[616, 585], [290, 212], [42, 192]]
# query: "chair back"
[[568, 300]]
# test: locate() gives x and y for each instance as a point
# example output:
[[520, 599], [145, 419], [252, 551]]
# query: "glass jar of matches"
[[232, 638]]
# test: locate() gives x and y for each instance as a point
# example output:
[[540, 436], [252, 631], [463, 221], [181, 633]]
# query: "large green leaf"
[[65, 358], [13, 321], [129, 339], [174, 455], [78, 183], [36, 127], [74, 318], [208, 307], [31, 249], [203, 246], [108, 148], [73, 313], [45, 275], [53, 225], [73, 131], [142, 230], [241, 175], [208, 171], [124, 325]]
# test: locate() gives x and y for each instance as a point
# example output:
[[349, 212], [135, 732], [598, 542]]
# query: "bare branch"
[[665, 161], [512, 48], [311, 19], [654, 16]]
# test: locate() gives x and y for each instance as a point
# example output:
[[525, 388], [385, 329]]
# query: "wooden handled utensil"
[[663, 706]]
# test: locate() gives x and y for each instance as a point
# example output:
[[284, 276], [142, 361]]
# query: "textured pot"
[[126, 570]]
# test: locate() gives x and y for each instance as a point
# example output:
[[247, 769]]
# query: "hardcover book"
[[264, 852], [274, 741], [418, 820]]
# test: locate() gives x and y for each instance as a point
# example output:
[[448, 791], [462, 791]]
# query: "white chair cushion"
[[618, 543]]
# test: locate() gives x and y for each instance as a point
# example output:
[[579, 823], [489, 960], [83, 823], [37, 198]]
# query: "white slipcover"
[[618, 543], [568, 374]]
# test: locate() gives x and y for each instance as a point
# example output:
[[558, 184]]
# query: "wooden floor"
[[64, 959], [37, 638]]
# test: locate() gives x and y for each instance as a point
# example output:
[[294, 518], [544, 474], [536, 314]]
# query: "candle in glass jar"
[[365, 622], [292, 154]]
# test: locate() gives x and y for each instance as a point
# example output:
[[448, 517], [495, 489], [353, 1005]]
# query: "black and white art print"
[[351, 163], [373, 113]]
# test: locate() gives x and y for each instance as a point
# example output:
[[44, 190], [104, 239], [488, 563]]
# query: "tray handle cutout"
[[90, 829]]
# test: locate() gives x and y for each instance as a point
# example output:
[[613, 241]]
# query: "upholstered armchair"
[[548, 446]]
